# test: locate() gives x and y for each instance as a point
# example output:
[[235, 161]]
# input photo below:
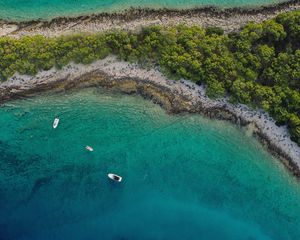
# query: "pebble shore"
[[173, 95], [231, 19]]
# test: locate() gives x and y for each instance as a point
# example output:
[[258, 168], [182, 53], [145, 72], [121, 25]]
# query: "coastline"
[[229, 19], [173, 96]]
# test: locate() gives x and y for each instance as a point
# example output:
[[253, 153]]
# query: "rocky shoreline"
[[173, 96], [229, 19]]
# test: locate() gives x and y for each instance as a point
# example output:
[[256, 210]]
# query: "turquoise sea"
[[185, 176], [46, 9]]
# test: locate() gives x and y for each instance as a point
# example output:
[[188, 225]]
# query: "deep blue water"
[[185, 176], [33, 9]]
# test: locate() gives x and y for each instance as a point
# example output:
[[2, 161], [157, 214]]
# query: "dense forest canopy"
[[259, 66]]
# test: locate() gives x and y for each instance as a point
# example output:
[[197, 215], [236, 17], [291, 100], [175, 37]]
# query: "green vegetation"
[[259, 66]]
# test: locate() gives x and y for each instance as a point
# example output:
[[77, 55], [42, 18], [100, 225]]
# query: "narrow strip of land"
[[134, 19]]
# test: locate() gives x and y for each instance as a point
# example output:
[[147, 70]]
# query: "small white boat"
[[114, 177], [89, 148], [55, 122]]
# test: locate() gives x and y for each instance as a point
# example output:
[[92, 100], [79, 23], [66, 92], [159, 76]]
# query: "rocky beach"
[[194, 105], [173, 95], [230, 20]]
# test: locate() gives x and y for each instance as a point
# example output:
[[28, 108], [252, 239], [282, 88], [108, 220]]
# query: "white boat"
[[89, 148], [114, 177], [55, 122]]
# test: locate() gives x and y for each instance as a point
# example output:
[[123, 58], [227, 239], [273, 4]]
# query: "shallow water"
[[184, 175], [34, 9]]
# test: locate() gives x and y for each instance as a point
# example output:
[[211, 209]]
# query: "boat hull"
[[114, 177], [55, 123]]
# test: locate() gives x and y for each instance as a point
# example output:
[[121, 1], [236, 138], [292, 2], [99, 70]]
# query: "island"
[[150, 123], [246, 63]]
